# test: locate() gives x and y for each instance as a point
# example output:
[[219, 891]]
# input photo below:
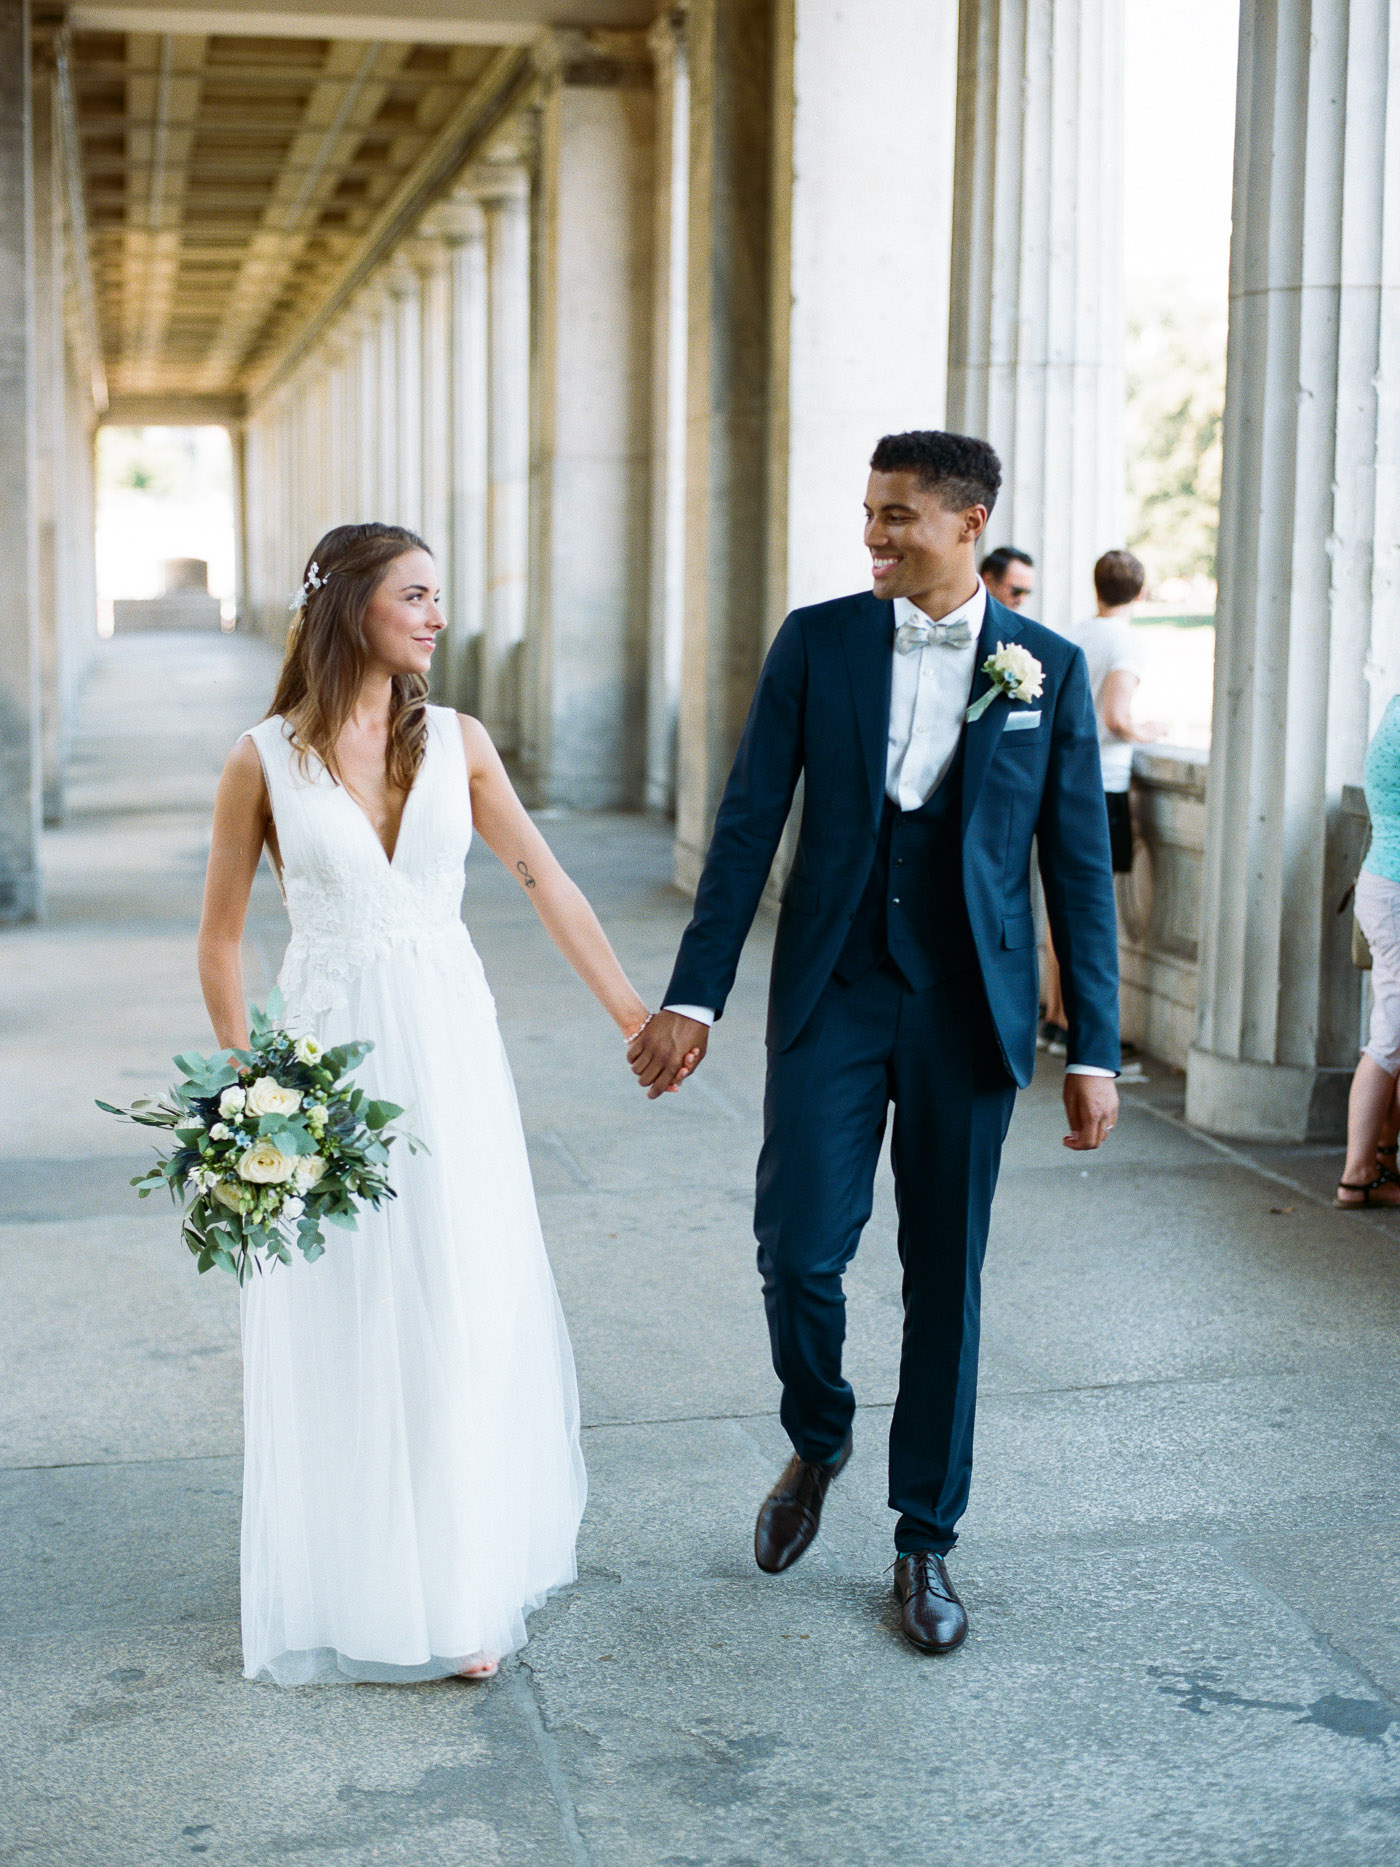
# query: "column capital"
[[596, 56], [427, 252], [493, 184], [455, 221], [666, 36], [400, 277], [367, 306]]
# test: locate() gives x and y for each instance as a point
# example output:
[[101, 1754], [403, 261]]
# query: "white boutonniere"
[[1013, 671]]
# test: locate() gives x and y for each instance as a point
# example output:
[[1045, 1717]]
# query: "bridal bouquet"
[[272, 1144]]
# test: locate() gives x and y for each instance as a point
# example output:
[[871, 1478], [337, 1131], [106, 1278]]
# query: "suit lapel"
[[868, 639], [998, 625]]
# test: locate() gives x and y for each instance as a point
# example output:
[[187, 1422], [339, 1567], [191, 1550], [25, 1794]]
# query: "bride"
[[412, 1476]]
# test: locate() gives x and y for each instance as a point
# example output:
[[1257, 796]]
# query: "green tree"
[[1176, 402]]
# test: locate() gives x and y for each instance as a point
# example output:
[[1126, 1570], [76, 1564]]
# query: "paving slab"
[[1180, 1556]]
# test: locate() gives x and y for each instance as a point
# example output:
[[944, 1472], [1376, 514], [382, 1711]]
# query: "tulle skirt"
[[412, 1476]]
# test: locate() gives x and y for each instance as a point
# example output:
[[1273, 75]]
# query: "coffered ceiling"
[[229, 178]]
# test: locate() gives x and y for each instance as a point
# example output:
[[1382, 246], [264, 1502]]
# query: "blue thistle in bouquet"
[[272, 1144]]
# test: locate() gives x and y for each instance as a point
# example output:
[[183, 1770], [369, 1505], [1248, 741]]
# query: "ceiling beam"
[[177, 410], [332, 127], [502, 86], [177, 114], [434, 25], [79, 243], [262, 77], [419, 22]]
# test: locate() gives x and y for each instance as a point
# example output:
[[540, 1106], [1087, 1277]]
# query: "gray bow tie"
[[911, 635]]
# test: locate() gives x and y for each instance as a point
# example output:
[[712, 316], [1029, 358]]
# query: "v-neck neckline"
[[368, 821]]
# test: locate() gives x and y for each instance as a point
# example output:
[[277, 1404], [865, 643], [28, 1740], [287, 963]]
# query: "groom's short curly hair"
[[959, 468]]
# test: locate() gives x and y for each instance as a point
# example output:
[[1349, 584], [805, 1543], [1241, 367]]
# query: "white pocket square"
[[1021, 722]]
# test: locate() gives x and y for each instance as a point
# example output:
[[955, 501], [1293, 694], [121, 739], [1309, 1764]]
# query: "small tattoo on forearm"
[[523, 870]]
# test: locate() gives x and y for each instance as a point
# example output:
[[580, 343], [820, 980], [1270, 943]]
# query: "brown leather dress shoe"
[[931, 1616], [792, 1511]]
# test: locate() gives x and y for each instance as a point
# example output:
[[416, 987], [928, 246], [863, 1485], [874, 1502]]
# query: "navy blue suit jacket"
[[821, 711]]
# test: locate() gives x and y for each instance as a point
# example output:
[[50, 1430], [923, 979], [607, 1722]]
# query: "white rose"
[[231, 1101], [268, 1097], [293, 1208], [231, 1196], [220, 1131], [265, 1164], [309, 1169], [308, 1050], [1025, 678]]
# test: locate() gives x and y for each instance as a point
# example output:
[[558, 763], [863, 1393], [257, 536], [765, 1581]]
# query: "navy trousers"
[[933, 1056]]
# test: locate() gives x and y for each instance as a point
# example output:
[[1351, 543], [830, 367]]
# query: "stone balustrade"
[[1160, 902]]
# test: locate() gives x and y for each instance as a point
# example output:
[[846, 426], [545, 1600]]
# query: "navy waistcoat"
[[913, 910]]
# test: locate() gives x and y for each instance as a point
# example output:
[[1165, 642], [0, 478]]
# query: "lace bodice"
[[350, 905]]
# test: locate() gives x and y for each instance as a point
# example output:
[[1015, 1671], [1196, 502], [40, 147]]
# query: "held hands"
[[666, 1050], [1091, 1103]]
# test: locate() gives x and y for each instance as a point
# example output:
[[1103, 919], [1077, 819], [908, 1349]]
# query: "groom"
[[904, 973]]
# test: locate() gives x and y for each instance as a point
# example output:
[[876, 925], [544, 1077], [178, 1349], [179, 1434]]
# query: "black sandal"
[[1360, 1205], [1388, 1173]]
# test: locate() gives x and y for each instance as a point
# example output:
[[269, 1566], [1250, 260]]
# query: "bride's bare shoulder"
[[477, 743], [243, 777]]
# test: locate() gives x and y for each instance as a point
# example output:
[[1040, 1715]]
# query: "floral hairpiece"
[[314, 581]]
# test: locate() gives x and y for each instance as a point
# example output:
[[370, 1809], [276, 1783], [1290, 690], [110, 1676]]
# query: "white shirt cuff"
[[701, 1013], [1087, 1069]]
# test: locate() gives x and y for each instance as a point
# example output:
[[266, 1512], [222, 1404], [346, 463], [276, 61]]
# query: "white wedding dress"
[[412, 1476]]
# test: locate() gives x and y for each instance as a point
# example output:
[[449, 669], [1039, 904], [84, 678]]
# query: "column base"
[[21, 896], [1244, 1101], [686, 864]]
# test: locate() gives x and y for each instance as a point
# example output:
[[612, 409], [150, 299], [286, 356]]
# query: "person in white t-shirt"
[[1115, 671]]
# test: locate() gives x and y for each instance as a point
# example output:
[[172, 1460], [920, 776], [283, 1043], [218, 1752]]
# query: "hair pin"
[[313, 581]]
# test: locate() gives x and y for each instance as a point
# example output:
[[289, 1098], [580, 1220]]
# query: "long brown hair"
[[324, 666]]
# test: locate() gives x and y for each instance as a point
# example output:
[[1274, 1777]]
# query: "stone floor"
[[1181, 1560]]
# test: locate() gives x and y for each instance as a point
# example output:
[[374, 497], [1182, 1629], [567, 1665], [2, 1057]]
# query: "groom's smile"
[[920, 545]]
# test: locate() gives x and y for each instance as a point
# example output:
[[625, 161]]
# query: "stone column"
[[434, 264], [243, 597], [20, 764], [863, 349], [383, 443], [670, 277], [406, 441], [336, 455], [1308, 619], [318, 456], [367, 428], [1035, 349], [77, 556], [252, 605], [504, 195], [587, 647], [48, 437], [348, 396], [731, 65], [292, 550], [300, 505], [461, 226]]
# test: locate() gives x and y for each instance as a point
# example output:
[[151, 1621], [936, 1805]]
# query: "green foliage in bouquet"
[[273, 1144]]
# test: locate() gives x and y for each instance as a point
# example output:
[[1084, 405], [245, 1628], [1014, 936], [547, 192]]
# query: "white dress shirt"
[[929, 690]]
